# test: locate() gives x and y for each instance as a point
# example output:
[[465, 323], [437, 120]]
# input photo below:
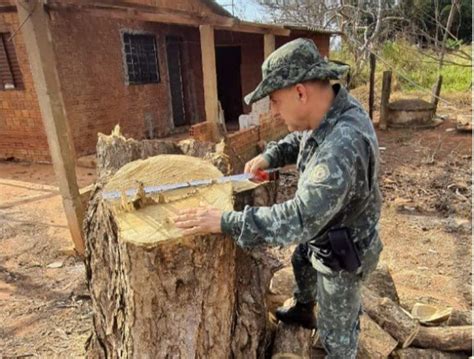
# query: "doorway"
[[174, 53], [229, 85]]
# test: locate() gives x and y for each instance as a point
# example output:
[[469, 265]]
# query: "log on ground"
[[380, 281], [292, 342], [374, 342], [445, 338], [416, 353], [391, 317]]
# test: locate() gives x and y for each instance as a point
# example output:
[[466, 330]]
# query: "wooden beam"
[[372, 86], [268, 44], [385, 98], [255, 28], [209, 74], [128, 10], [37, 37]]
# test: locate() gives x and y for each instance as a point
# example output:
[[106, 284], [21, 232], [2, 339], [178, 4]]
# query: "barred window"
[[10, 75], [141, 59]]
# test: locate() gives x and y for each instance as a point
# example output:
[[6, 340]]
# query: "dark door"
[[174, 55], [229, 90]]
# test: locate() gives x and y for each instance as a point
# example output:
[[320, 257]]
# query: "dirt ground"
[[426, 229]]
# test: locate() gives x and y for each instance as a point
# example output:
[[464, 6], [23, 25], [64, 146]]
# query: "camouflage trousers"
[[338, 296]]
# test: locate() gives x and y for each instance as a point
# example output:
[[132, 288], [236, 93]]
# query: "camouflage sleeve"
[[284, 151], [323, 191]]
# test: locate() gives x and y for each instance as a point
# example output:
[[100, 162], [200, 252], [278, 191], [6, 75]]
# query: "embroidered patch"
[[319, 173]]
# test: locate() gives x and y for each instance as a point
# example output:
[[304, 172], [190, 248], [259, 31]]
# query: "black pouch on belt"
[[344, 249]]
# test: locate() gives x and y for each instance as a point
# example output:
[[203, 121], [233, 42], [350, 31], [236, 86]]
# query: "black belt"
[[323, 252]]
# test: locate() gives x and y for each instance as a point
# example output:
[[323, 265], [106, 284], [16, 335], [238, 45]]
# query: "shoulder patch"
[[319, 173]]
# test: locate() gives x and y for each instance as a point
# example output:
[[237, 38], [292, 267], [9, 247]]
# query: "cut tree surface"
[[153, 222]]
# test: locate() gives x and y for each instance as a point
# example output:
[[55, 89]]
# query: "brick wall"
[[243, 145], [90, 66], [21, 129], [321, 40]]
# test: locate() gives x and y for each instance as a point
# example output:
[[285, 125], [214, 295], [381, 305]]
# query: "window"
[[141, 59], [10, 76]]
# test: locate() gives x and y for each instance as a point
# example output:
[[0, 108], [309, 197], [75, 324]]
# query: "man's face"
[[285, 103], [301, 106]]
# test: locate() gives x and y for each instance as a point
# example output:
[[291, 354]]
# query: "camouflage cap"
[[297, 61]]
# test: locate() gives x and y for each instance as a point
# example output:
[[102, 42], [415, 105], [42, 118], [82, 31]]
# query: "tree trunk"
[[445, 338], [157, 294], [391, 317]]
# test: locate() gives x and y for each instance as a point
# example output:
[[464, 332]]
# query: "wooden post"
[[435, 93], [384, 101], [37, 37], [268, 44], [372, 86], [209, 74]]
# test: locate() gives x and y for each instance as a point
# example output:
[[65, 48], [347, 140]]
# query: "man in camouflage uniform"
[[334, 146]]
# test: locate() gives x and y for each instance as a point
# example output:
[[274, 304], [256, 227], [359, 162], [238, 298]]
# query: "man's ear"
[[302, 93]]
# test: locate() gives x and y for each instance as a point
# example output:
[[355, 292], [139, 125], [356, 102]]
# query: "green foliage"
[[418, 65]]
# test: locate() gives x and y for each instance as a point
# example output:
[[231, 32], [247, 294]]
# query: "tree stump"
[[157, 294]]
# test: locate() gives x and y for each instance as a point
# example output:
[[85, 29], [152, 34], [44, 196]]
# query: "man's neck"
[[329, 100]]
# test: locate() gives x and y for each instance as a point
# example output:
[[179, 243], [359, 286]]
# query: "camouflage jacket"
[[338, 165]]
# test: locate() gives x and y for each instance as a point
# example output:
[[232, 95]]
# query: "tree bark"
[[416, 353], [292, 342], [157, 294], [460, 317], [380, 281], [374, 342], [391, 317], [445, 338]]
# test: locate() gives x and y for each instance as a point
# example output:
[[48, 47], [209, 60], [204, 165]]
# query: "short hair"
[[321, 82]]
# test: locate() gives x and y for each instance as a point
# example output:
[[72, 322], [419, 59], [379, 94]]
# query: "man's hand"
[[255, 164], [201, 220]]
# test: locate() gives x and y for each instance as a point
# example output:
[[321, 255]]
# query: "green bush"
[[417, 64]]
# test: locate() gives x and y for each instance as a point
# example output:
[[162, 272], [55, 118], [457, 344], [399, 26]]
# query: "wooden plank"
[[127, 10], [386, 85], [372, 86], [37, 37], [208, 53], [255, 28], [268, 44]]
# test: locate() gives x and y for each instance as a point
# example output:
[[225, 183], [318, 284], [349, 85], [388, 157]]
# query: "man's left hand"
[[201, 220]]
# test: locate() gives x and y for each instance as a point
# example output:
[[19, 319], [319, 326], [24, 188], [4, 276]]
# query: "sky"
[[245, 9]]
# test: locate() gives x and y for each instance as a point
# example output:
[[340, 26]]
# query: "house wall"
[[22, 133], [321, 40], [91, 69]]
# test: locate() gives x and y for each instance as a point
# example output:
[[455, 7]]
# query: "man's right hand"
[[255, 164]]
